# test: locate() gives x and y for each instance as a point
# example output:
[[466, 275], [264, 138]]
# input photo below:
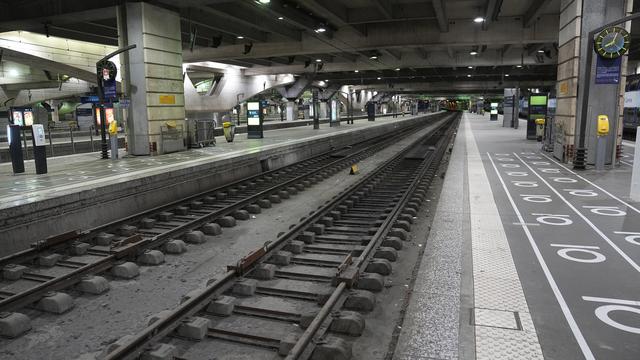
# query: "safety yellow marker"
[[354, 170]]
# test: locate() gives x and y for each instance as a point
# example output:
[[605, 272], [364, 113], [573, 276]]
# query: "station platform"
[[544, 266], [82, 191]]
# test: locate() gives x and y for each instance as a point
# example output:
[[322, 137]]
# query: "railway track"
[[36, 276], [304, 295]]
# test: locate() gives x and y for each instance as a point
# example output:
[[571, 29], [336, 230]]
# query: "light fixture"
[[264, 1], [397, 69], [318, 60], [470, 67], [541, 51], [356, 70], [320, 30], [506, 75], [280, 18], [478, 20], [473, 53], [468, 75], [518, 66], [240, 37], [326, 81], [379, 78], [13, 72], [373, 57]]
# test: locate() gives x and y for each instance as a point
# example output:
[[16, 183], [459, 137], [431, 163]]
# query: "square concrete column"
[[324, 110], [155, 73]]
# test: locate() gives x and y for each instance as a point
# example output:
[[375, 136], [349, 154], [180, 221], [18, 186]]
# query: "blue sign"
[[109, 89], [608, 70], [93, 99]]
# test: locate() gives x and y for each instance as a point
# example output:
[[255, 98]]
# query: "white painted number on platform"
[[510, 166], [581, 192], [540, 163], [537, 198], [603, 311], [606, 210], [527, 184], [527, 153], [504, 159], [564, 180], [590, 256], [517, 173], [549, 171], [497, 154], [532, 157], [550, 219], [631, 237]]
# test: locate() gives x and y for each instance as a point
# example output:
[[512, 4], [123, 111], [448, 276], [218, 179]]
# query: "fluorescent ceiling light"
[[280, 18], [318, 60], [356, 71], [473, 52], [320, 30], [379, 78], [470, 67], [478, 20], [469, 75], [397, 69], [240, 37]]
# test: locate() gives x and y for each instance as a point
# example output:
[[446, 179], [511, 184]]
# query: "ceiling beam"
[[396, 54], [441, 15], [46, 64], [385, 8], [246, 16], [205, 18], [347, 56], [491, 12], [422, 52], [534, 12], [333, 11], [292, 15]]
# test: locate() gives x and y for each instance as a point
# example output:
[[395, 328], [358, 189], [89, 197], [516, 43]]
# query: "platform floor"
[[73, 173], [545, 264]]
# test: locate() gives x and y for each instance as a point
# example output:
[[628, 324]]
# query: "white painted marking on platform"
[[577, 333], [496, 287], [628, 143], [592, 225], [626, 163], [595, 185]]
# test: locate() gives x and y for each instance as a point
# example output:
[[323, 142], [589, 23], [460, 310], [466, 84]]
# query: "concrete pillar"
[[292, 110], [324, 110], [155, 73], [577, 19]]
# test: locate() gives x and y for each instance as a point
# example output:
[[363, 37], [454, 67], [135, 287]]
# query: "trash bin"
[[229, 130]]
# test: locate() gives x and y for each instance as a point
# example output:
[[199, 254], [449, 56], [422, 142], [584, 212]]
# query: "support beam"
[[534, 11], [441, 15], [291, 15], [385, 8], [396, 54], [45, 64], [346, 56], [296, 89], [246, 16], [422, 53], [333, 11], [491, 12], [202, 17]]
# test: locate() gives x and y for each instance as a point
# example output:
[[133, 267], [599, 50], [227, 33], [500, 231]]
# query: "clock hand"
[[612, 41]]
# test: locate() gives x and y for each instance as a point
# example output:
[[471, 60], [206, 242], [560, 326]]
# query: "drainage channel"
[[36, 276], [305, 294]]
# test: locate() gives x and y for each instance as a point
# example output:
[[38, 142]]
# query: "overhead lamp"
[[541, 51], [506, 75], [356, 70], [470, 67], [326, 81], [13, 72], [240, 37], [397, 69], [373, 57], [478, 20], [379, 78], [264, 1], [280, 18], [318, 60], [473, 53], [320, 30], [518, 66], [468, 75]]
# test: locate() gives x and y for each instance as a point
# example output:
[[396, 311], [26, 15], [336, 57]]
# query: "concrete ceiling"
[[426, 39]]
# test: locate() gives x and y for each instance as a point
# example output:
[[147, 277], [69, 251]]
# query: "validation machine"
[[537, 110], [255, 119], [39, 148]]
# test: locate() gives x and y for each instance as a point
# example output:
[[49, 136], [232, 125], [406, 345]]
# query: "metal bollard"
[[91, 137], [73, 145]]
